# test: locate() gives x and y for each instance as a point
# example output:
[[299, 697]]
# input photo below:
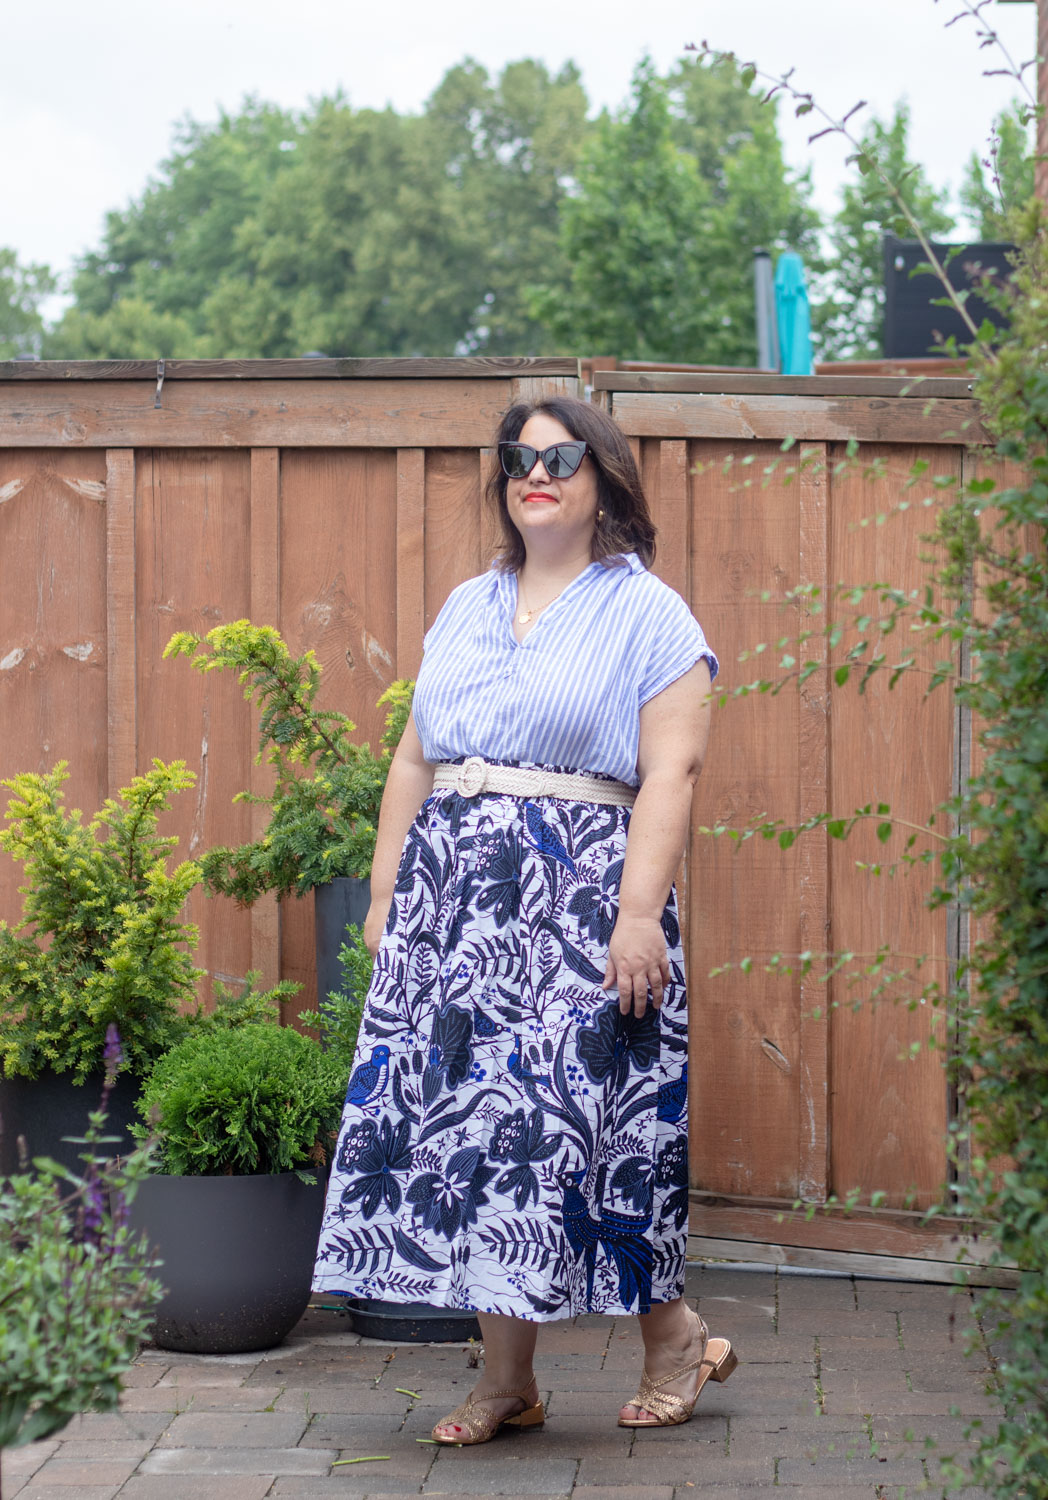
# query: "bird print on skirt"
[[510, 1142]]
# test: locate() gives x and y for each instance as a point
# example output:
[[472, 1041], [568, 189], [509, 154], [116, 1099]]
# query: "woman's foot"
[[500, 1407], [684, 1345]]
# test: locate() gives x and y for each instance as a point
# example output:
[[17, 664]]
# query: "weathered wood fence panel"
[[341, 509], [802, 1089], [341, 501]]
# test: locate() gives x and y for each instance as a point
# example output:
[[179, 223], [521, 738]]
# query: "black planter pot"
[[335, 904], [237, 1257], [45, 1109], [412, 1322]]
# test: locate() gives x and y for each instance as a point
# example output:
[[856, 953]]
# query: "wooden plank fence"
[[340, 500]]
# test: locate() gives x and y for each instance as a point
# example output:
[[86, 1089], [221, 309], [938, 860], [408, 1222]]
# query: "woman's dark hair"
[[626, 525]]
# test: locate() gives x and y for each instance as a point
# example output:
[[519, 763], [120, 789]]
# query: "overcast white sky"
[[90, 91]]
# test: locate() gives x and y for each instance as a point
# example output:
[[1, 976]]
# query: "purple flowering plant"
[[77, 1288]]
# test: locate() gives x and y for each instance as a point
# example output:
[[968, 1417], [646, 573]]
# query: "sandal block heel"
[[533, 1417], [724, 1366]]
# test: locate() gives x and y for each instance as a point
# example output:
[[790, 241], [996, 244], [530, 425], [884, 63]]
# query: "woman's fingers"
[[638, 960], [629, 994]]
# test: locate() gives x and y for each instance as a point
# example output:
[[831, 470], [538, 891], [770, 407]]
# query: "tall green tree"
[[675, 193], [848, 317], [996, 185], [514, 144], [757, 202], [22, 289], [349, 231], [142, 293]]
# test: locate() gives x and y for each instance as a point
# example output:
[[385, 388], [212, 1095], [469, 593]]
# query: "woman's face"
[[561, 511]]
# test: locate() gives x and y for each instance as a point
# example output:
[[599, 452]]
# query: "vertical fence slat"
[[813, 916], [121, 635], [673, 517], [673, 564], [265, 610], [889, 1108], [490, 531], [411, 586]]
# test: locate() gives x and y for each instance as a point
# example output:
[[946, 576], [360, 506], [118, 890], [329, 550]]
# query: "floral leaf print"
[[575, 959], [439, 1121], [522, 1142], [448, 1203], [403, 1108], [519, 1120], [500, 883], [671, 1172], [414, 1254], [670, 928], [386, 1152], [593, 829], [450, 1044], [616, 1043]]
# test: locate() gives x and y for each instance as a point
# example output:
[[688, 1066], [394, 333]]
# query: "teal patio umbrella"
[[793, 316]]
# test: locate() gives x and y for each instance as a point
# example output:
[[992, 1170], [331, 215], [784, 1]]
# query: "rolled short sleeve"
[[677, 642]]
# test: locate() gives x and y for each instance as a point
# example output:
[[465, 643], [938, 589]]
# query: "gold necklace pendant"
[[527, 615]]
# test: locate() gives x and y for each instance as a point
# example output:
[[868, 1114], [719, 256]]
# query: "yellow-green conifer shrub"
[[102, 940]]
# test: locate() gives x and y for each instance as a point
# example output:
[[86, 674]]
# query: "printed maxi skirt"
[[510, 1142]]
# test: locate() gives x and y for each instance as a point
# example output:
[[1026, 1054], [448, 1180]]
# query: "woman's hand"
[[637, 963], [375, 925]]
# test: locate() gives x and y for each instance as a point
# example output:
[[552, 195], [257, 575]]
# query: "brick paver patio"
[[840, 1383]]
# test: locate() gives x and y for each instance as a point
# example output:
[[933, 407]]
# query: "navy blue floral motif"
[[500, 891], [671, 1174], [513, 1143], [355, 1139], [597, 906], [448, 1201], [523, 1143], [450, 1052], [385, 1151], [617, 1043], [671, 1168], [509, 1132]]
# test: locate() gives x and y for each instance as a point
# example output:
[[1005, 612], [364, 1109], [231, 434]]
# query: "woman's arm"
[[408, 784], [674, 729]]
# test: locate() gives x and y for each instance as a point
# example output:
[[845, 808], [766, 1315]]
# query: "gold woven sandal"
[[481, 1425], [669, 1410]]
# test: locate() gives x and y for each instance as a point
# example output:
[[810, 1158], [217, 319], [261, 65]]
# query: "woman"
[[515, 1138]]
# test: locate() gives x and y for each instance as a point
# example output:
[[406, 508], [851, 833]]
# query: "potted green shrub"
[[324, 806], [101, 942], [244, 1115], [77, 1284]]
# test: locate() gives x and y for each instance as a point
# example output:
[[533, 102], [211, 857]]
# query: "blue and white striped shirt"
[[571, 693]]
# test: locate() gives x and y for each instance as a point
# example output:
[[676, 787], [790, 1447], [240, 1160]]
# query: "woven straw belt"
[[475, 776]]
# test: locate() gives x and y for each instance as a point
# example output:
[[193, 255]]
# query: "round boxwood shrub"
[[244, 1100]]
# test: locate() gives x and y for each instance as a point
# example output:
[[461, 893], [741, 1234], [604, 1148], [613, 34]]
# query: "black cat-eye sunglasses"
[[560, 460]]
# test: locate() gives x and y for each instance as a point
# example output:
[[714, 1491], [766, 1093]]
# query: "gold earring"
[[600, 515]]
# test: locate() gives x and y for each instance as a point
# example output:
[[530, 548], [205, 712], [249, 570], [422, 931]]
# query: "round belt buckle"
[[472, 777]]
